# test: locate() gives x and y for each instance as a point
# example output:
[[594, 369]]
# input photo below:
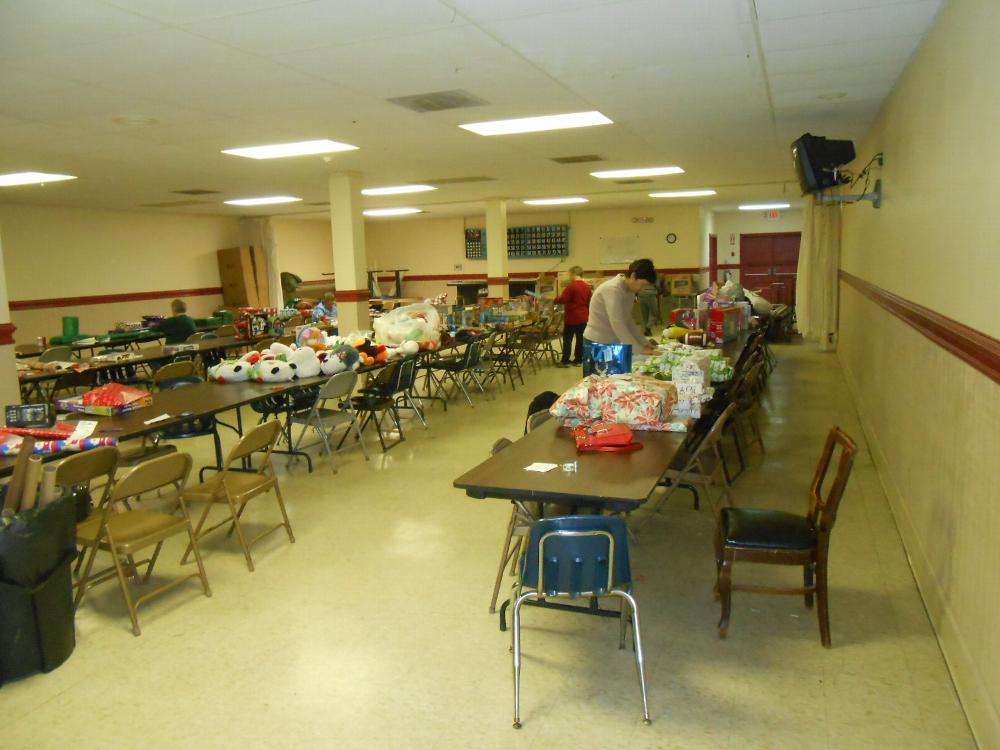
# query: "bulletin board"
[[615, 251]]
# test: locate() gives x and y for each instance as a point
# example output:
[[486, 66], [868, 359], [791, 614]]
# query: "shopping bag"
[[604, 437], [607, 359]]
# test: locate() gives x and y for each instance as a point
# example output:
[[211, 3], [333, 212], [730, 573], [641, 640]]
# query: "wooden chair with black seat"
[[124, 531], [776, 537], [233, 488]]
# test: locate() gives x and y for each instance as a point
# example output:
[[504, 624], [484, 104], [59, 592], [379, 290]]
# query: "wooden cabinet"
[[243, 273]]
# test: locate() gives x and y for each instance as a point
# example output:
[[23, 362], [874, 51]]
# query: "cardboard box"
[[243, 275], [76, 404], [681, 285]]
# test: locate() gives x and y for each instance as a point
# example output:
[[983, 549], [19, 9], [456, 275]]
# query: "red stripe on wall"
[[110, 299], [7, 333], [352, 295], [514, 275], [973, 347], [495, 280]]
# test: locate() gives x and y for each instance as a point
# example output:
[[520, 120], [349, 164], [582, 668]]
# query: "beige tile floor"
[[372, 631]]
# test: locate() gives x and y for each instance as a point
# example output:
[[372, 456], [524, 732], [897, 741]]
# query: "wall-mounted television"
[[817, 161]]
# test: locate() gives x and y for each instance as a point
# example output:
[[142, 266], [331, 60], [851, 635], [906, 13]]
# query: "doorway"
[[769, 263], [713, 259]]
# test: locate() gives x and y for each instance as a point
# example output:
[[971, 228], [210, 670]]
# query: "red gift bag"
[[604, 437]]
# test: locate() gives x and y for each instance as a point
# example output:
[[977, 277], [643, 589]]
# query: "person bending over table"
[[327, 307], [611, 308], [179, 327], [576, 299]]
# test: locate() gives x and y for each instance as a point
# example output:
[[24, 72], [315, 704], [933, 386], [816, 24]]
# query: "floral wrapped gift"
[[640, 401]]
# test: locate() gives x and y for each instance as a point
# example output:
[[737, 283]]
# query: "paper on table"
[[157, 419], [84, 429], [540, 467]]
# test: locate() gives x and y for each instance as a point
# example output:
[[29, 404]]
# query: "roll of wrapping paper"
[[49, 492], [16, 485], [32, 478]]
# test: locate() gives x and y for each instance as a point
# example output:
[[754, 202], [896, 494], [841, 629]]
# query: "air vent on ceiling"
[[195, 191], [582, 158], [632, 182], [435, 101], [456, 180], [173, 204]]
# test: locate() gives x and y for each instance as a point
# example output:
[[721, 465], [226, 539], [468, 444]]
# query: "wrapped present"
[[11, 445], [642, 402]]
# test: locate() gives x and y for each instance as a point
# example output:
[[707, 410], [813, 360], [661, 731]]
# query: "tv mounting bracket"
[[875, 196]]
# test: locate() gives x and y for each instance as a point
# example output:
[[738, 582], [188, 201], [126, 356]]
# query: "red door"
[[769, 263]]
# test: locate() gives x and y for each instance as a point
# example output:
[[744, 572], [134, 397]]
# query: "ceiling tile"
[[902, 19], [322, 23], [842, 54], [772, 10], [34, 27]]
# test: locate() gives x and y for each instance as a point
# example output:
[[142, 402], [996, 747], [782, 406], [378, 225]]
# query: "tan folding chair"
[[227, 330], [56, 354], [704, 464], [123, 532], [81, 469], [234, 488], [182, 369]]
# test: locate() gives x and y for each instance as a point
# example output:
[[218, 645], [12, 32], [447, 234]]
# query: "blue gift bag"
[[607, 359]]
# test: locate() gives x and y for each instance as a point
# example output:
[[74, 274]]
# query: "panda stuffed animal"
[[230, 371]]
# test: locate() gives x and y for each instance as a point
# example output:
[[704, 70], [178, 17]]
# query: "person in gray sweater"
[[610, 319]]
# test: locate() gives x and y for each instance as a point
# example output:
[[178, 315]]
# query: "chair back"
[[340, 385], [263, 436], [71, 380], [499, 445], [823, 510], [295, 320], [539, 417], [56, 354], [577, 556], [406, 375], [179, 369], [227, 330], [88, 465], [263, 346], [172, 469], [195, 337]]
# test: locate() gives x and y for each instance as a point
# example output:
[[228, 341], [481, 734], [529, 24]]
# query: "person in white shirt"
[[610, 319]]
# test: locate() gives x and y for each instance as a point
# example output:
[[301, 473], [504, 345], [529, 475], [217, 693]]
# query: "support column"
[[350, 263], [10, 389], [496, 248]]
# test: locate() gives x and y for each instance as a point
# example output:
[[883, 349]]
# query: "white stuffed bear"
[[305, 362], [230, 371], [281, 351], [272, 371]]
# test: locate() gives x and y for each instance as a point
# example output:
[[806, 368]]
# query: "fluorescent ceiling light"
[[265, 201], [31, 178], [683, 194], [391, 211], [554, 201], [279, 150], [614, 174], [537, 124], [398, 190], [763, 206]]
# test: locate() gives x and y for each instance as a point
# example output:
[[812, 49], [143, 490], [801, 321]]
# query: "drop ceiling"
[[138, 97]]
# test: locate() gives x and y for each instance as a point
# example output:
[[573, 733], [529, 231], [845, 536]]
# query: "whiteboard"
[[619, 250]]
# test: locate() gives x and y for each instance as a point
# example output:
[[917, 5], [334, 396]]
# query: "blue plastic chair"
[[578, 556]]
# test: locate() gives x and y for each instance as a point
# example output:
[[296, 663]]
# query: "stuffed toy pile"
[[314, 353]]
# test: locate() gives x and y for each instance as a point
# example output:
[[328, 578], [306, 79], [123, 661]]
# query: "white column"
[[496, 247], [10, 390], [350, 263]]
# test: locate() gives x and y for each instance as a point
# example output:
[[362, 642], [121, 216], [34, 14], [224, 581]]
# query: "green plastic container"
[[71, 326]]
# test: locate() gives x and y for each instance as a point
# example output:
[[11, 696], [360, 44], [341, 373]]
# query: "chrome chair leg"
[[516, 620], [637, 643]]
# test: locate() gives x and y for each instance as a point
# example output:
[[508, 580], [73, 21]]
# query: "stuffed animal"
[[281, 351], [230, 371], [312, 337], [306, 363], [347, 357], [272, 371]]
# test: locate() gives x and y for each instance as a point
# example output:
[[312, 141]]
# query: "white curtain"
[[259, 233], [819, 263]]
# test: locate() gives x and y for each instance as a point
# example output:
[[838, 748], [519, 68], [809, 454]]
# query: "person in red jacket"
[[576, 298]]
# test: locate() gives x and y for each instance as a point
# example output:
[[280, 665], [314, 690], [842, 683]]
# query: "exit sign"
[[772, 214]]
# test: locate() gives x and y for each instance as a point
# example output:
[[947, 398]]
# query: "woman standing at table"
[[576, 300], [611, 308]]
